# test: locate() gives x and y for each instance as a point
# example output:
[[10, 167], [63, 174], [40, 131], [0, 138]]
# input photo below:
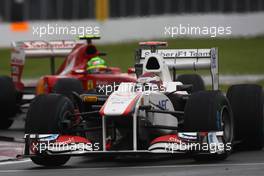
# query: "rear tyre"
[[44, 116], [194, 79], [210, 111], [247, 104], [7, 102], [66, 86]]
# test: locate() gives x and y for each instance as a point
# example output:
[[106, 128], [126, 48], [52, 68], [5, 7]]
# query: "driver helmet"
[[95, 64]]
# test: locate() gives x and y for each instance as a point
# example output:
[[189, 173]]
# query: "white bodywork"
[[127, 99], [125, 103], [186, 59]]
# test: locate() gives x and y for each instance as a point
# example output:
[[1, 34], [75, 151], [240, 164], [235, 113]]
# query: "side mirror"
[[131, 70], [138, 69]]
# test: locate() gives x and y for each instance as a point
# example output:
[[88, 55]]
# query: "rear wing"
[[38, 49], [34, 49], [185, 59]]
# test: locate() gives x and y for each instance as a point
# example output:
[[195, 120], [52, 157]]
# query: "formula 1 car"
[[153, 116], [15, 95]]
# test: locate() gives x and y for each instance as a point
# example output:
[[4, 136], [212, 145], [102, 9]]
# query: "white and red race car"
[[157, 115]]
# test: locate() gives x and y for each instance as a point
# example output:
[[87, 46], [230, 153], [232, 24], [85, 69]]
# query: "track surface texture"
[[239, 163]]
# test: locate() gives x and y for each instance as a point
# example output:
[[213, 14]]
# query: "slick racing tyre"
[[247, 104], [210, 111], [7, 102], [194, 79], [44, 116], [50, 161], [66, 86]]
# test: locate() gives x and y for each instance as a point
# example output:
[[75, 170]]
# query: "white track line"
[[14, 162]]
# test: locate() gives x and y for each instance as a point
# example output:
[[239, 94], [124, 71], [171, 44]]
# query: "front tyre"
[[50, 161], [247, 105], [7, 102], [209, 111], [44, 116]]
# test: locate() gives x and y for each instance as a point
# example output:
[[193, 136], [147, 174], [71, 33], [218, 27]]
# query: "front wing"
[[179, 143]]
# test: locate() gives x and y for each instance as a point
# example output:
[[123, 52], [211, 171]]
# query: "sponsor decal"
[[49, 137], [46, 45], [189, 136], [213, 60], [173, 53], [90, 84], [166, 138], [163, 104]]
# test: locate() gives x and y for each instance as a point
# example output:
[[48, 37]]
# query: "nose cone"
[[120, 104]]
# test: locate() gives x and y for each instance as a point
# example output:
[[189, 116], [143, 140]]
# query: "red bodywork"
[[74, 66]]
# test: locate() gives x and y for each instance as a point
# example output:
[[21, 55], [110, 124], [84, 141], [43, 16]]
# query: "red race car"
[[71, 76]]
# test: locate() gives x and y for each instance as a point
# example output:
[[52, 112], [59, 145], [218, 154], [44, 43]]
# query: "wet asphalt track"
[[245, 163], [240, 163]]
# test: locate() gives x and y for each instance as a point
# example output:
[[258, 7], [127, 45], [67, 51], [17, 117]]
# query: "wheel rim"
[[227, 125], [66, 118]]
